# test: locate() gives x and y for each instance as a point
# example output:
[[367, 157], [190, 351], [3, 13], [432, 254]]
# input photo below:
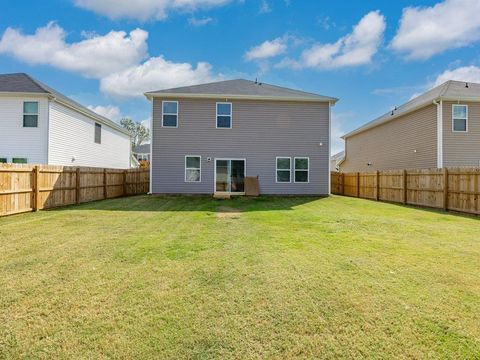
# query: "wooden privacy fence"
[[33, 187], [454, 189]]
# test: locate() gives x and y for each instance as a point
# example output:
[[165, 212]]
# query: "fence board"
[[22, 190], [456, 189]]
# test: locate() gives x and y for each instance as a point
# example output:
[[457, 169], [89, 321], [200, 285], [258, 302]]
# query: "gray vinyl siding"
[[261, 131], [407, 142], [461, 149]]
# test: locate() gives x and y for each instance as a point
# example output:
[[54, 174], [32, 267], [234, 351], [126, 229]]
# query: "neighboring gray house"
[[142, 152], [440, 128], [207, 138], [39, 125]]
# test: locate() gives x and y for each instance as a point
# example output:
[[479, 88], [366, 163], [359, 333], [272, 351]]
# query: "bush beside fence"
[[455, 189], [26, 188]]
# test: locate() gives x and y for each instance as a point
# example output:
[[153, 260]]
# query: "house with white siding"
[[39, 125]]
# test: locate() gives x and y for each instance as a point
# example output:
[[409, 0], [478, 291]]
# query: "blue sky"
[[372, 55]]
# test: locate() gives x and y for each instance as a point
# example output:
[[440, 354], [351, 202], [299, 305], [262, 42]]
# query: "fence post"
[[377, 183], [77, 185], [104, 183], [124, 182], [445, 189], [358, 184], [404, 187], [36, 188]]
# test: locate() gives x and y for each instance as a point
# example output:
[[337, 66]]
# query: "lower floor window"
[[193, 168], [283, 169], [19, 160], [3, 160], [302, 169]]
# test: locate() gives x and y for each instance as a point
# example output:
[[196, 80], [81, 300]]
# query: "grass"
[[281, 278]]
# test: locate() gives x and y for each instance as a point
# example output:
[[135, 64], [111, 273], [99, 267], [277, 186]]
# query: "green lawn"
[[175, 278]]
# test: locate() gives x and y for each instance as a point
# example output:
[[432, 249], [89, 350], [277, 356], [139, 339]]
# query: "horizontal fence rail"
[[26, 188], [455, 189]]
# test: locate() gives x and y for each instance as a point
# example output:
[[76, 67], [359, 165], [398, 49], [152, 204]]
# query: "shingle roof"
[[142, 149], [24, 83], [19, 83], [242, 88], [450, 90]]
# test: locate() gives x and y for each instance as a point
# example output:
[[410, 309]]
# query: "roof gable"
[[241, 88]]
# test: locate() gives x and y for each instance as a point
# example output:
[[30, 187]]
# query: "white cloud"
[[154, 74], [267, 49], [264, 7], [199, 21], [426, 31], [145, 9], [94, 56], [465, 73], [109, 111], [356, 48]]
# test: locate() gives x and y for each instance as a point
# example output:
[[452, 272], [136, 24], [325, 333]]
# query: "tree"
[[139, 132]]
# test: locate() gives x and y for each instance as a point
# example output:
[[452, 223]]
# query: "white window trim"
[[277, 169], [308, 170], [170, 101], [24, 113], [453, 119], [216, 114], [200, 169]]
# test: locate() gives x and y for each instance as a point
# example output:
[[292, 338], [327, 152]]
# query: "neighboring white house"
[[38, 125]]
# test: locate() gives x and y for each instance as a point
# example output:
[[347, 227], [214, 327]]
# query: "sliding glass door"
[[230, 176]]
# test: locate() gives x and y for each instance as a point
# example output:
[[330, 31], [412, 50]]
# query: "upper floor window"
[[30, 114], [170, 113], [460, 118], [98, 133], [224, 115], [302, 169], [283, 169]]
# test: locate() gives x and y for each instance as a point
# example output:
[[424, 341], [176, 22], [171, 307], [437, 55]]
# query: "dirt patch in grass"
[[225, 212]]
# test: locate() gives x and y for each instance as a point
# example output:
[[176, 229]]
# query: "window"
[[30, 114], [224, 115], [460, 118], [283, 169], [169, 113], [3, 160], [19, 160], [193, 166], [98, 133], [302, 167]]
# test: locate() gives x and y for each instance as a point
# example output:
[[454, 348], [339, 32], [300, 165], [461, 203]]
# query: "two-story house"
[[207, 138], [440, 128], [39, 125]]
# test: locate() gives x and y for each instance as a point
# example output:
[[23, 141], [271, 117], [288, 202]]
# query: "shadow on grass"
[[150, 203]]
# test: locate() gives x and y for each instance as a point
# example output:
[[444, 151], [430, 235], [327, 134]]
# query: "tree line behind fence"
[[26, 188], [455, 189]]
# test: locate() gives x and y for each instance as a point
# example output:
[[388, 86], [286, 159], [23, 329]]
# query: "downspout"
[[329, 147], [439, 133], [151, 145]]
